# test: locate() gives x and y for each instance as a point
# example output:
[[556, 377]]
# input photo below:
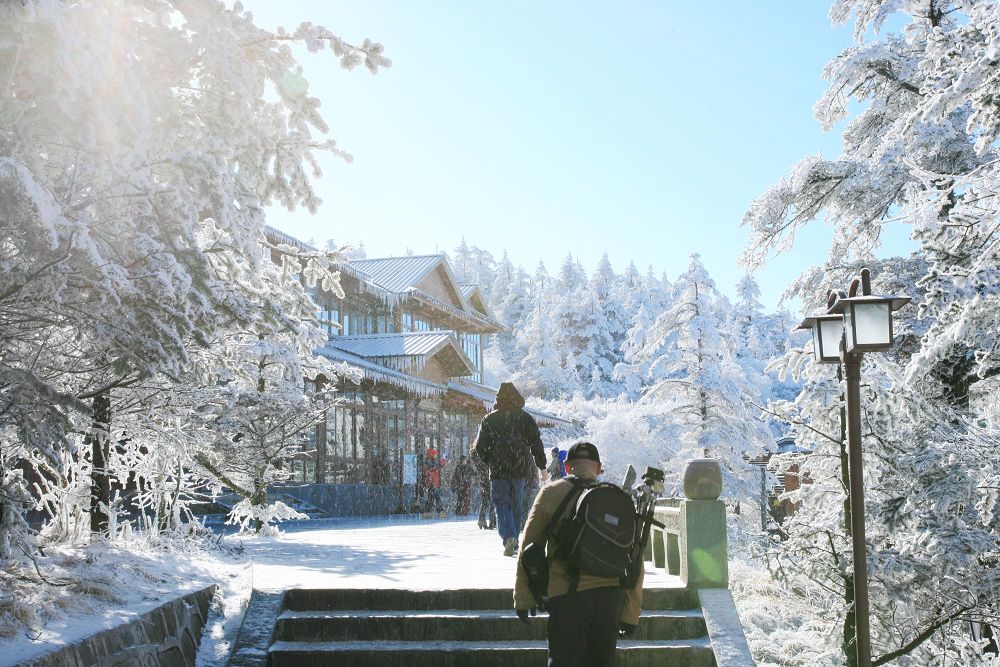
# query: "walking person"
[[510, 446], [557, 465], [587, 613], [461, 484], [487, 513], [433, 464]]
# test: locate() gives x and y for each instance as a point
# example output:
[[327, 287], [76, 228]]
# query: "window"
[[472, 346], [329, 318]]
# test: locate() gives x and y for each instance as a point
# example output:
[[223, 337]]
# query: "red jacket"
[[432, 468]]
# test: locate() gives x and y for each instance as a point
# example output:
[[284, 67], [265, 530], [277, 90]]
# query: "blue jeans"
[[508, 495]]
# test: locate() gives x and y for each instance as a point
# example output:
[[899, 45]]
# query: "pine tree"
[[919, 149], [691, 367]]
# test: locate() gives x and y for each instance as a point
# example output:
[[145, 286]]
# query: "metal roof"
[[467, 290], [377, 373], [279, 236], [395, 344], [408, 352], [397, 274]]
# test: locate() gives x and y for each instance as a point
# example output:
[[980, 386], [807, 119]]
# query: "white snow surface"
[[377, 552]]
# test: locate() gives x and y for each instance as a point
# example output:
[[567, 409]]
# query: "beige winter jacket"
[[546, 503]]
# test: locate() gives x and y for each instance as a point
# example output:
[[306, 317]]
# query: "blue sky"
[[638, 128]]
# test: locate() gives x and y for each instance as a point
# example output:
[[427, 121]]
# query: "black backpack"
[[511, 452], [600, 530]]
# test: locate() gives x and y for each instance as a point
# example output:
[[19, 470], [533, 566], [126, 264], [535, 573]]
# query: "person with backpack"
[[557, 466], [584, 533], [510, 445]]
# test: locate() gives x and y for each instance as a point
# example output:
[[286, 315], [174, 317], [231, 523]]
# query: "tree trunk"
[[258, 499], [100, 478], [321, 436]]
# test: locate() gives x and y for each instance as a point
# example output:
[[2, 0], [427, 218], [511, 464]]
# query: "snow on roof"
[[393, 344], [278, 236], [408, 351], [397, 274], [378, 373]]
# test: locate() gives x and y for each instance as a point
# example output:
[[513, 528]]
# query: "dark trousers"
[[463, 495], [583, 627], [508, 495]]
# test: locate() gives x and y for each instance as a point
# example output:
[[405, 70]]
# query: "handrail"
[[692, 545], [693, 541]]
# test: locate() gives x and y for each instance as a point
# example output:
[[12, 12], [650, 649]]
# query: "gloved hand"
[[626, 629], [523, 614]]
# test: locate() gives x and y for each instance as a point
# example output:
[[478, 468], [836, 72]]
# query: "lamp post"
[[855, 324]]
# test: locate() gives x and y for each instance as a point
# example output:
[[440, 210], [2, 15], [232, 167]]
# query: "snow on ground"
[[96, 587], [116, 585], [394, 552]]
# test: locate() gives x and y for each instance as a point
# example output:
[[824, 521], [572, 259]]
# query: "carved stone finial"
[[702, 479]]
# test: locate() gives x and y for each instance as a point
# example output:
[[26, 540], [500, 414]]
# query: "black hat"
[[583, 450]]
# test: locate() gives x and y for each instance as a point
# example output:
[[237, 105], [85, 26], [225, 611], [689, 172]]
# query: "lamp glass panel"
[[831, 331], [815, 334], [871, 323]]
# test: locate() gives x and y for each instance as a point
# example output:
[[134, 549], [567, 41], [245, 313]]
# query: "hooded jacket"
[[509, 442]]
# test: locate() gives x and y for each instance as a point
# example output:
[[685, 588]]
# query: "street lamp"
[[827, 332], [855, 324]]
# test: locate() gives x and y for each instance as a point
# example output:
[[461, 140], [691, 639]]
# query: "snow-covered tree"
[[689, 365], [539, 361], [610, 327], [120, 221], [919, 149]]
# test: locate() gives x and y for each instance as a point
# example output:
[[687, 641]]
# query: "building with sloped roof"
[[416, 337]]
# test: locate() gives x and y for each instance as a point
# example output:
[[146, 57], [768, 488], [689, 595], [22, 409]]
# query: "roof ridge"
[[447, 332], [376, 259]]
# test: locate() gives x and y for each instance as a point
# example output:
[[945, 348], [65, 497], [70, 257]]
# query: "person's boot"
[[510, 547]]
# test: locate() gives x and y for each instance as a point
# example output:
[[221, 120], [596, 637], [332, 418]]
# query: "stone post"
[[703, 541]]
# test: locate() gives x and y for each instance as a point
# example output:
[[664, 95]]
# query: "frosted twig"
[[38, 570]]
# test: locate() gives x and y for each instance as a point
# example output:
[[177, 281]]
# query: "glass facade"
[[355, 318], [368, 431], [472, 345]]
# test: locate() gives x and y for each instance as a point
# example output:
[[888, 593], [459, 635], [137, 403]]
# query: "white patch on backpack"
[[609, 518]]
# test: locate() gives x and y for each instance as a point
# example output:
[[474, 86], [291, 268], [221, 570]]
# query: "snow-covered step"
[[302, 599], [459, 624], [431, 653]]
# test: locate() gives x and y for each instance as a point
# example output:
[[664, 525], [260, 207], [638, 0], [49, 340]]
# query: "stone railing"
[[693, 545]]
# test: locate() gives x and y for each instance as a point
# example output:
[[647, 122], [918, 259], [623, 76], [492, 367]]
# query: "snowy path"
[[395, 552], [386, 553], [378, 552]]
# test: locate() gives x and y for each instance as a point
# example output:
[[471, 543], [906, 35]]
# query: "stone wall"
[[366, 499], [167, 636], [348, 499]]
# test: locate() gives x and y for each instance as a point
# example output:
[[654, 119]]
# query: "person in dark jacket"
[[461, 484], [510, 445], [487, 514]]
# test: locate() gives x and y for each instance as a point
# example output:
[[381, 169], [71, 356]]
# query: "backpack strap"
[[578, 487]]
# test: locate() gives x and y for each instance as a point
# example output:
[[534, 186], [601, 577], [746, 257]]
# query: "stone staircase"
[[469, 627]]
